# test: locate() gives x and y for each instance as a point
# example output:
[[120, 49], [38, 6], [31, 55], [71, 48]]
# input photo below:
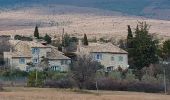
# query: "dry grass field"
[[80, 20], [57, 94]]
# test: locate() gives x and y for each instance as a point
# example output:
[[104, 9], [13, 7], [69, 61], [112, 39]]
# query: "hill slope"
[[149, 8]]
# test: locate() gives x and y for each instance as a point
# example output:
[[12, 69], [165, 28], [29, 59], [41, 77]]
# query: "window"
[[56, 68], [35, 50], [120, 58], [22, 60], [99, 56], [62, 62], [109, 69], [66, 62], [112, 58], [35, 61]]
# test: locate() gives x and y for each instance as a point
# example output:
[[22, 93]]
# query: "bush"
[[58, 76], [32, 82], [131, 77], [111, 84], [149, 79], [1, 89], [124, 85], [62, 83], [13, 73], [145, 87], [23, 38], [115, 75]]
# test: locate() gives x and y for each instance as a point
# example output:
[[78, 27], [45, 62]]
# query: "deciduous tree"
[[84, 70]]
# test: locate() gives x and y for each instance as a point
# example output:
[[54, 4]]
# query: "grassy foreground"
[[58, 94]]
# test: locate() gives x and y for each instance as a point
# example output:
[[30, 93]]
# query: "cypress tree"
[[36, 32], [129, 38], [130, 35], [85, 40], [130, 46]]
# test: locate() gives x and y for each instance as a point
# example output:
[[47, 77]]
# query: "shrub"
[[58, 76], [23, 38], [149, 79], [124, 85], [145, 87], [115, 75], [131, 77], [62, 83], [32, 82], [13, 73], [1, 89], [111, 84]]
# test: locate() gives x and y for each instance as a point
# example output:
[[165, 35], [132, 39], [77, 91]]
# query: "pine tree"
[[166, 50], [47, 38], [143, 51], [145, 47], [36, 32], [85, 40]]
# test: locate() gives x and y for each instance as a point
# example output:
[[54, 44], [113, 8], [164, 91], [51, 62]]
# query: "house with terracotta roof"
[[24, 52], [109, 55]]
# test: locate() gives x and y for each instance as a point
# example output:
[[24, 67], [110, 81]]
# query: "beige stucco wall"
[[7, 58], [42, 53], [64, 67], [16, 64], [107, 60]]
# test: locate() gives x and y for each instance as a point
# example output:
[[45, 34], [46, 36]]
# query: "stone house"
[[24, 52], [109, 55]]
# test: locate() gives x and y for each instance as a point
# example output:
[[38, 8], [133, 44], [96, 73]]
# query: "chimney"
[[80, 42], [79, 45], [12, 37]]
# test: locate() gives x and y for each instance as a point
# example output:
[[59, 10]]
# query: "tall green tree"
[[36, 33], [129, 37], [145, 47], [47, 38], [85, 40], [166, 49], [66, 40], [129, 47]]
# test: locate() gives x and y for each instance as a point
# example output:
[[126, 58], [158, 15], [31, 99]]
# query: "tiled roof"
[[55, 54], [23, 49], [20, 55], [104, 48], [29, 43]]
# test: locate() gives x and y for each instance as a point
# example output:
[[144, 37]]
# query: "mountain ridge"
[[158, 9]]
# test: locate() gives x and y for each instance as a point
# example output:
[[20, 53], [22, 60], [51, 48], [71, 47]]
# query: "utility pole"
[[164, 72], [165, 81], [97, 86], [63, 36], [36, 73]]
